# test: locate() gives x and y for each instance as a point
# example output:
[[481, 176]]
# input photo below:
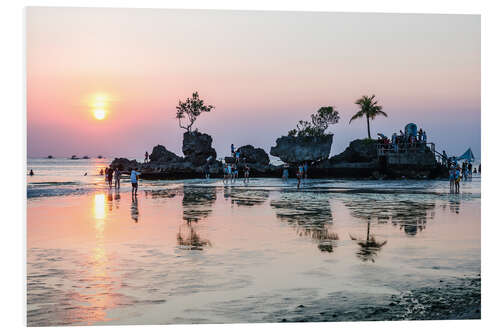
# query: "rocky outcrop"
[[357, 151], [299, 149], [161, 154], [197, 148], [361, 160], [252, 155], [125, 164]]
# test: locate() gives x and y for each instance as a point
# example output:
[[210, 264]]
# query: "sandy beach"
[[201, 252]]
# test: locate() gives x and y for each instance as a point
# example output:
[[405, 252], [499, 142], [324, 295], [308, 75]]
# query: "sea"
[[201, 251]]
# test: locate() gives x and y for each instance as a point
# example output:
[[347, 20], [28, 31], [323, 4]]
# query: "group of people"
[[231, 172], [404, 140], [301, 172], [110, 173], [459, 173]]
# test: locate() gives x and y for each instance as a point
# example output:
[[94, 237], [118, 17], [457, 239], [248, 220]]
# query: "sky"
[[263, 72]]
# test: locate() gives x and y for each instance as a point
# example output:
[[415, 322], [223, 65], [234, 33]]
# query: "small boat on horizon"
[[50, 156], [85, 157], [74, 157]]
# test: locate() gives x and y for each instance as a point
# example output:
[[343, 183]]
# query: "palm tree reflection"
[[369, 246]]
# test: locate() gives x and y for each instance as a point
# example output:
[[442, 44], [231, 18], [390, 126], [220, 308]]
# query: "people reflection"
[[134, 209], [117, 198], [109, 200]]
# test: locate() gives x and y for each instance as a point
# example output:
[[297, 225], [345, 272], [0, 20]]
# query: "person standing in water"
[[299, 176], [31, 172], [457, 179], [134, 181], [118, 173], [305, 167], [452, 179], [247, 173], [285, 173], [109, 177]]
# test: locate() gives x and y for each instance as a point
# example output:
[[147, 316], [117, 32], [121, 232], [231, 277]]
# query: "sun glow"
[[99, 114], [99, 106]]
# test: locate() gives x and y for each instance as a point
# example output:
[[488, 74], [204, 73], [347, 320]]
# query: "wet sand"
[[214, 254]]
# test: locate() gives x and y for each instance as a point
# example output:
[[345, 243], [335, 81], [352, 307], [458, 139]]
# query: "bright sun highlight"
[[99, 114], [99, 106]]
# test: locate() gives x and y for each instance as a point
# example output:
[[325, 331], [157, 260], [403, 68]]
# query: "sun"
[[99, 114]]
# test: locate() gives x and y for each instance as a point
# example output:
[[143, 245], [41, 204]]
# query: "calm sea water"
[[197, 251]]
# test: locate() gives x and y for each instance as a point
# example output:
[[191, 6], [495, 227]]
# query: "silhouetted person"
[[146, 157], [31, 172], [134, 181]]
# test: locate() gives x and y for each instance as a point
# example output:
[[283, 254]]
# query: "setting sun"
[[99, 114]]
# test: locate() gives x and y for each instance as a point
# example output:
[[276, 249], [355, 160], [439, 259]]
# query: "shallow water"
[[200, 252]]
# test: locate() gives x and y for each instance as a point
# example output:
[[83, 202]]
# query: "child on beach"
[[133, 180], [247, 173]]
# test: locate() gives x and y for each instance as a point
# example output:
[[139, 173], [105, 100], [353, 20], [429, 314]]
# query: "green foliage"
[[369, 108], [324, 117], [190, 110]]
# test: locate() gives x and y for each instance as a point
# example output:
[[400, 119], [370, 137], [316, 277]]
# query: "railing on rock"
[[386, 149]]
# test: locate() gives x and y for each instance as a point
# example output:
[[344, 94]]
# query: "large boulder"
[[197, 148], [125, 164], [299, 149], [161, 154], [358, 151], [252, 155]]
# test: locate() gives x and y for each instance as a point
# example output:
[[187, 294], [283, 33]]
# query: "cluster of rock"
[[298, 149], [359, 160]]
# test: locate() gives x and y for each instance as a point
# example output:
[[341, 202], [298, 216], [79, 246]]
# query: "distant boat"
[[100, 156], [85, 157], [50, 156], [73, 157]]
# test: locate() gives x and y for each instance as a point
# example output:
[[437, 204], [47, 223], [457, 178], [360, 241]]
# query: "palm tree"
[[368, 109]]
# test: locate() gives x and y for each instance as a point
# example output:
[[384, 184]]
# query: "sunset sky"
[[263, 71]]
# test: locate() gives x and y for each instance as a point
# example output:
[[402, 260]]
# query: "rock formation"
[[299, 149], [161, 154], [197, 148]]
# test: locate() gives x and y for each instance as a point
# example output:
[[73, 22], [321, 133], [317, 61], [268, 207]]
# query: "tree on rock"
[[190, 110], [369, 108], [324, 117]]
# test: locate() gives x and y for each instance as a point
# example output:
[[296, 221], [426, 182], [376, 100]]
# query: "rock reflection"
[[246, 197], [310, 214], [197, 204], [410, 216]]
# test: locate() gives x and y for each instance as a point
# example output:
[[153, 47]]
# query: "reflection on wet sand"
[[368, 247], [196, 204], [411, 216], [310, 214], [246, 197], [99, 296], [134, 209]]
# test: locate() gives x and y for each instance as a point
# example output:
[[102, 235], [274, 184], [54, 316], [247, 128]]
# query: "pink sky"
[[263, 71]]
